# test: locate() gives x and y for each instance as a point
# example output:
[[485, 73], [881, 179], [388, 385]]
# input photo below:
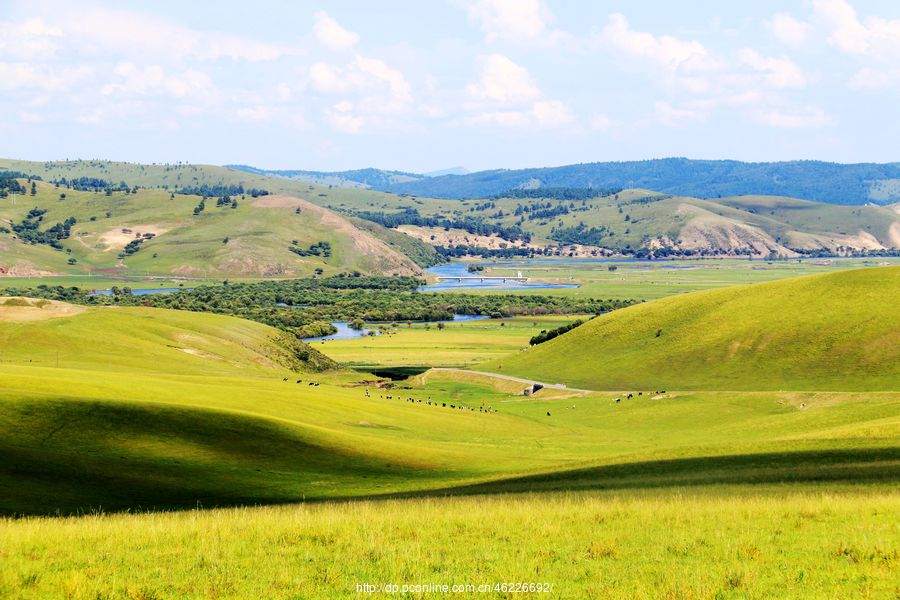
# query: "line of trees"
[[298, 305], [559, 193], [546, 336], [473, 225]]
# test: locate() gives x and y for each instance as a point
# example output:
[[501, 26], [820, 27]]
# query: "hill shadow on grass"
[[66, 456], [880, 465], [69, 457]]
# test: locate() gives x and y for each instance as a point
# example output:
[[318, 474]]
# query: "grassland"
[[456, 345], [649, 280], [830, 332], [693, 493], [724, 543], [763, 223], [250, 241]]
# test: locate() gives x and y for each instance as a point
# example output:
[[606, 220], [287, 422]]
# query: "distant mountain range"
[[834, 183]]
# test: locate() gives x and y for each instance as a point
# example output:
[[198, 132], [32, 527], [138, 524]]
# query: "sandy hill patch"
[[709, 231], [14, 308], [118, 237]]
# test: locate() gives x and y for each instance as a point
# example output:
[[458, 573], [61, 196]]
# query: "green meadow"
[[723, 542], [836, 331], [455, 344], [650, 280], [152, 453], [249, 239]]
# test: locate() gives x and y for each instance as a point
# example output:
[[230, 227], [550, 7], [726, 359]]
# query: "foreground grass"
[[725, 542]]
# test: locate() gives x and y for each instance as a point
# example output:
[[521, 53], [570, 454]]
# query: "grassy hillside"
[[628, 221], [643, 219], [45, 333], [826, 332], [250, 238], [119, 408], [690, 494]]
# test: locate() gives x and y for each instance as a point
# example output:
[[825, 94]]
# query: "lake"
[[143, 292], [461, 270]]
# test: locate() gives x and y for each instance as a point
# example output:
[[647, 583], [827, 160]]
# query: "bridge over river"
[[482, 278]]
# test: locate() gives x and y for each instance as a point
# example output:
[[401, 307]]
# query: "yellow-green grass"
[[160, 408], [823, 332], [689, 494], [652, 280], [259, 233], [728, 542], [132, 340], [424, 344]]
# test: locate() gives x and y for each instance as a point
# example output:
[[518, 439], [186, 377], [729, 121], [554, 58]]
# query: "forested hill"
[[811, 180]]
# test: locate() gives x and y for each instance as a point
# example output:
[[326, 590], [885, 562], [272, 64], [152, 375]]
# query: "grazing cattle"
[[548, 413], [285, 379], [299, 381], [443, 404], [618, 399]]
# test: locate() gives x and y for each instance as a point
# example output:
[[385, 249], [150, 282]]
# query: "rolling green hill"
[[826, 332], [140, 407], [642, 221], [155, 232], [632, 221]]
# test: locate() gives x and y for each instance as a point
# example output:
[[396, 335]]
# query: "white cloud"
[[376, 95], [153, 79], [877, 37], [779, 73], [520, 21], [543, 114], [100, 31], [665, 51], [255, 113], [675, 116], [341, 118], [805, 118], [868, 78], [32, 39], [873, 40], [330, 34], [600, 123], [788, 30], [24, 76], [362, 75], [551, 113], [503, 81]]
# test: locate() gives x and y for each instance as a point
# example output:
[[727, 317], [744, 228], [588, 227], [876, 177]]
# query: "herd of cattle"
[[482, 408]]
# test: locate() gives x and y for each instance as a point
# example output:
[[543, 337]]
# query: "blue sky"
[[421, 86]]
